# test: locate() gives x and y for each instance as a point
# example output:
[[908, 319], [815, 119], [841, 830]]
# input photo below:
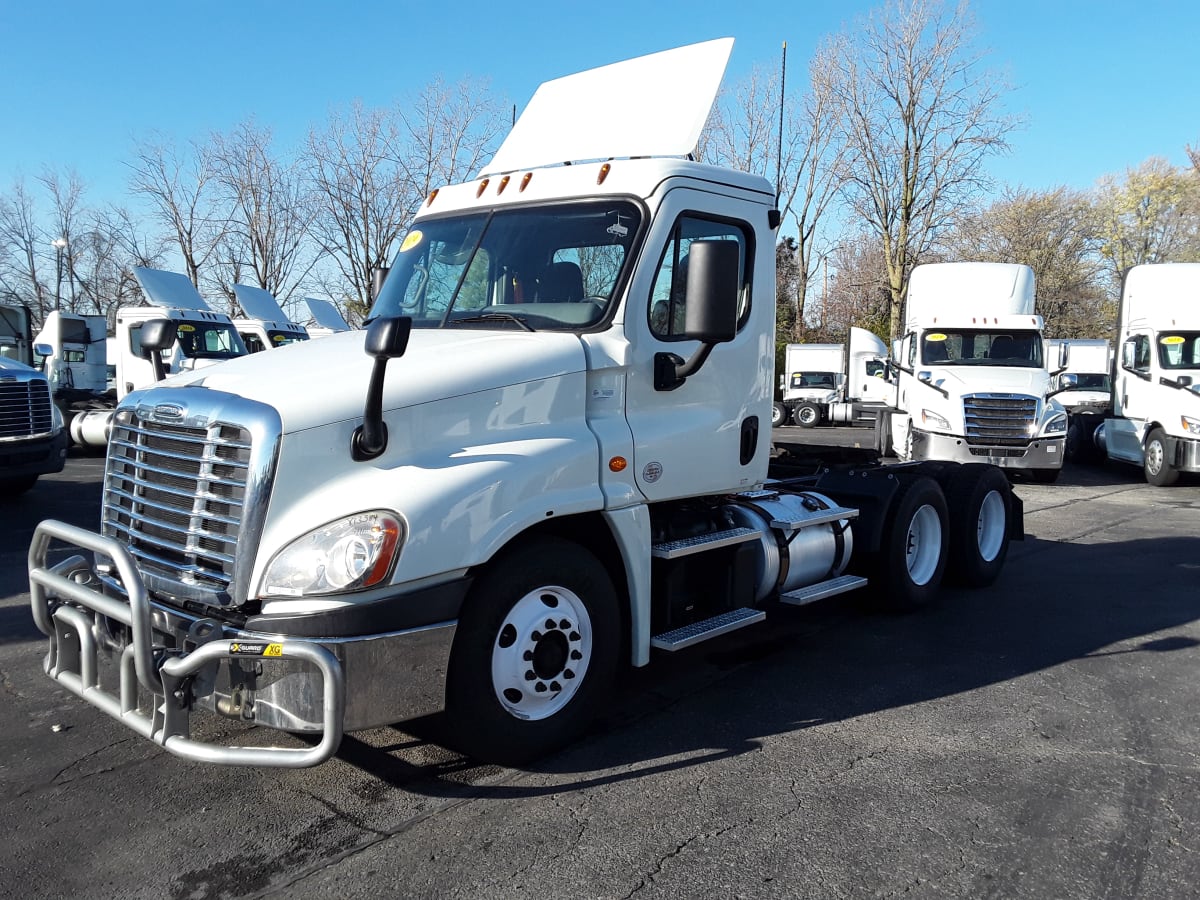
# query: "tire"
[[779, 415], [909, 566], [980, 506], [807, 415], [883, 434], [1045, 476], [15, 487], [535, 652], [1157, 467]]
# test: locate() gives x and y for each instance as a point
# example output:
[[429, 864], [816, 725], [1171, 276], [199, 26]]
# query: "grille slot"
[[176, 496], [24, 408], [1000, 420]]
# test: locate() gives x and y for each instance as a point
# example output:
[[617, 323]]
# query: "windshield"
[[973, 347], [1092, 382], [548, 267], [1179, 349], [282, 338], [813, 380], [209, 340]]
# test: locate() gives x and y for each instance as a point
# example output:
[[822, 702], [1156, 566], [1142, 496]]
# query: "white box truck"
[[971, 382], [551, 460], [833, 384], [1155, 420]]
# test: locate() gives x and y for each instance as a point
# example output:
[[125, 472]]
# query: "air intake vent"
[[24, 408], [1000, 420]]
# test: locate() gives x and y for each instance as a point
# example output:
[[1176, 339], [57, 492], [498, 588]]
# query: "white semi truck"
[[1155, 418], [546, 457], [1084, 388], [971, 382], [321, 318], [833, 383], [264, 325], [202, 338], [33, 438]]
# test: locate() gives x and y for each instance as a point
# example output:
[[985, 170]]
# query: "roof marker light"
[[482, 187], [525, 181], [432, 196], [502, 185], [604, 170]]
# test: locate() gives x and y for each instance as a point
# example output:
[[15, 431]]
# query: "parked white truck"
[[33, 439], [321, 318], [202, 338], [1084, 388], [264, 325], [833, 383], [971, 382], [551, 459], [1155, 419]]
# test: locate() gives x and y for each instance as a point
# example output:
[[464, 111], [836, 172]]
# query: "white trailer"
[[971, 381], [1155, 420], [546, 457]]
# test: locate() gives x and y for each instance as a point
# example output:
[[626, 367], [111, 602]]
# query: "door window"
[[668, 298]]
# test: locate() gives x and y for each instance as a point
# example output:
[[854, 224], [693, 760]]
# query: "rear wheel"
[[807, 415], [1157, 466], [535, 652], [883, 434], [909, 566], [779, 415], [978, 499]]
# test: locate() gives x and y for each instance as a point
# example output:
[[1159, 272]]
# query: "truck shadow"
[[1055, 602]]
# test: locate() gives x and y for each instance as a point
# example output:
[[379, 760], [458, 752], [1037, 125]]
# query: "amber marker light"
[[482, 187], [604, 170], [503, 184], [617, 464], [525, 181], [432, 197]]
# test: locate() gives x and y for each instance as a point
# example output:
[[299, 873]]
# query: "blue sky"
[[1103, 86]]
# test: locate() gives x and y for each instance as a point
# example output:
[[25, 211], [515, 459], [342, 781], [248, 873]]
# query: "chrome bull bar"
[[73, 657]]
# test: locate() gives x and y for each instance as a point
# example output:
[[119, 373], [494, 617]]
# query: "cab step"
[[703, 542], [833, 514], [822, 589], [696, 632]]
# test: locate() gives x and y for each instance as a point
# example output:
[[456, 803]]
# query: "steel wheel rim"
[[807, 414], [541, 653], [991, 526], [923, 545], [1154, 457]]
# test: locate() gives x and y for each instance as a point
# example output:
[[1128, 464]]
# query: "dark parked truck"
[[33, 441], [551, 461]]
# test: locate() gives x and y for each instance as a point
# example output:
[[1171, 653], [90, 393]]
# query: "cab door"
[[1132, 396], [711, 434]]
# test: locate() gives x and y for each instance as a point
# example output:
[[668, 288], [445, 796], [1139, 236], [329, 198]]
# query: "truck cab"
[[972, 382], [1155, 420], [33, 437], [263, 324]]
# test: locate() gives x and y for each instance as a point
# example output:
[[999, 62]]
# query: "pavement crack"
[[343, 815]]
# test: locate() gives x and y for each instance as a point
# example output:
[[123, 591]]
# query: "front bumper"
[[150, 666], [39, 456], [1043, 453], [1184, 453]]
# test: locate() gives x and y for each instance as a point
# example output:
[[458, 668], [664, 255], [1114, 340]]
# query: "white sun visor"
[[169, 289], [258, 304], [653, 105]]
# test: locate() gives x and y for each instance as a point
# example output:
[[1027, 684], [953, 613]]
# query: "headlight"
[[56, 418], [932, 418], [347, 555], [1191, 426], [1057, 425]]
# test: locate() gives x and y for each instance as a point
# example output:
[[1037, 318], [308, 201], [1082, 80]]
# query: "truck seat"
[[561, 281]]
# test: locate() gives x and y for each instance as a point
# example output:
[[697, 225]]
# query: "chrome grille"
[[1000, 420], [175, 495], [24, 408]]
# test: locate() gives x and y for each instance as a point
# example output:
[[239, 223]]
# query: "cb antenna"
[[779, 145]]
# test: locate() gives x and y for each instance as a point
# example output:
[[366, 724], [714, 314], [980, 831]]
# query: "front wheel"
[[1157, 467], [535, 652]]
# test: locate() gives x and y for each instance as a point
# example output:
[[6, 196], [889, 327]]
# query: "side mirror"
[[1127, 353], [43, 349], [157, 336], [925, 376], [386, 338], [1184, 381], [714, 283], [1068, 381]]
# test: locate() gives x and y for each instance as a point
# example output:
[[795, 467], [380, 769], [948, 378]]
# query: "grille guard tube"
[[73, 657]]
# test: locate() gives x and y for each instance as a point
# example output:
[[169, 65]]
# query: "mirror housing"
[[387, 338], [158, 335], [711, 313], [1068, 381], [1127, 351]]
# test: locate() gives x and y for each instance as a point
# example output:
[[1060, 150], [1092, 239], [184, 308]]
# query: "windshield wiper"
[[493, 317]]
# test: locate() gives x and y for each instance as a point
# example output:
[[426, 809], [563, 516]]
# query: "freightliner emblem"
[[169, 411]]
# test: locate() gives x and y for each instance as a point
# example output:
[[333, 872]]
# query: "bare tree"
[[920, 116], [269, 213], [181, 191], [22, 247]]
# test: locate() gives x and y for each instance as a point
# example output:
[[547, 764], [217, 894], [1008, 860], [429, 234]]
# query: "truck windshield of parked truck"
[[814, 380], [1179, 349], [973, 347], [198, 340], [538, 268]]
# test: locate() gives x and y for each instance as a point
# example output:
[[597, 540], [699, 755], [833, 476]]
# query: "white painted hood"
[[316, 383], [990, 379]]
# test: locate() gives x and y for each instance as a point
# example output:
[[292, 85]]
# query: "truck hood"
[[316, 383], [990, 379], [14, 367]]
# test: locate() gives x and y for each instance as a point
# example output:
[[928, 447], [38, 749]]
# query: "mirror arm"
[[670, 369], [371, 437]]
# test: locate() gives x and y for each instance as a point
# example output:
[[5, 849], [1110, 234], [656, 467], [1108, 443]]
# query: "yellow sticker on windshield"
[[936, 336], [187, 328], [413, 238], [1171, 339]]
